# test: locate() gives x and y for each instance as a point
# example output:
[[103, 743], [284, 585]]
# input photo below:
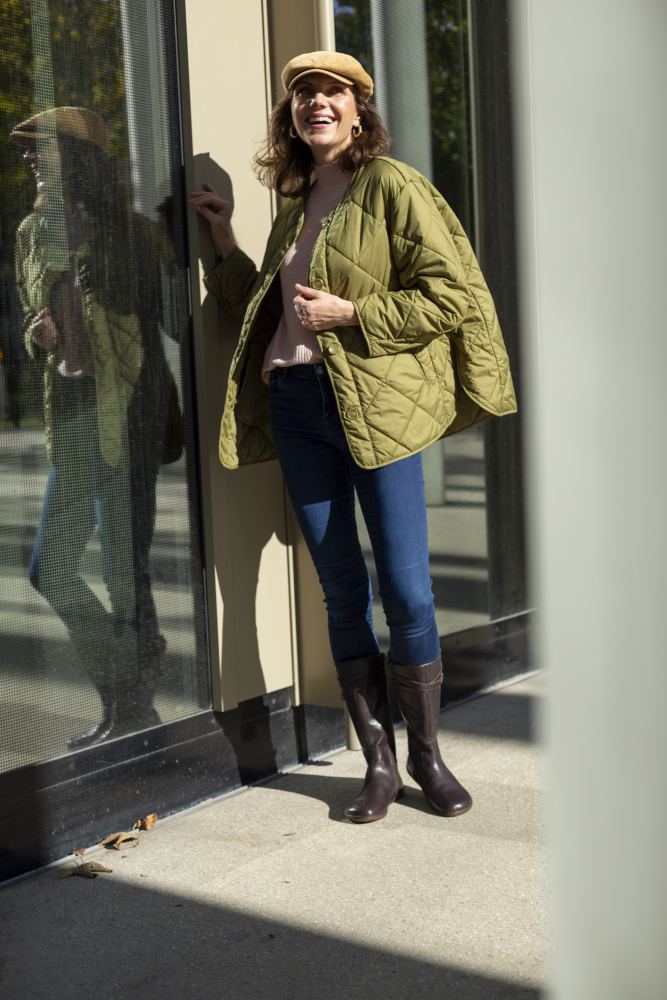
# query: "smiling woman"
[[368, 290], [286, 160]]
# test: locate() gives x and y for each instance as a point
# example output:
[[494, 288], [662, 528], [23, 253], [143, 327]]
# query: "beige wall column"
[[248, 560], [305, 26], [266, 601]]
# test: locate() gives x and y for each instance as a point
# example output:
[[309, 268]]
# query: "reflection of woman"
[[367, 289], [91, 307]]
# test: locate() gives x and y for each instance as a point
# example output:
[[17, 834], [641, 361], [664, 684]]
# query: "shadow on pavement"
[[112, 941], [498, 716]]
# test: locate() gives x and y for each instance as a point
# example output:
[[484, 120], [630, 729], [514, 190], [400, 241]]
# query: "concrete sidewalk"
[[270, 894]]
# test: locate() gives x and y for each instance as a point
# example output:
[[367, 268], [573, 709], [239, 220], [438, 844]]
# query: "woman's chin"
[[326, 151]]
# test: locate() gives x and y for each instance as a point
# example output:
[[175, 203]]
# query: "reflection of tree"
[[87, 59], [353, 30], [446, 31]]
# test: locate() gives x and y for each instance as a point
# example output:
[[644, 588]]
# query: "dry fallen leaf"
[[146, 823], [116, 840], [89, 869], [79, 851]]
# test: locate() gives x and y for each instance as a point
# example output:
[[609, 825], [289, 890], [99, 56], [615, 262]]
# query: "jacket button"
[[331, 349], [317, 283], [352, 413]]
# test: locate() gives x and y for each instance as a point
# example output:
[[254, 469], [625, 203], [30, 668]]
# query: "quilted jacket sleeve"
[[21, 254], [27, 289], [232, 281], [433, 297]]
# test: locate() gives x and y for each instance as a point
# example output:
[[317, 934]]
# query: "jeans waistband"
[[310, 372]]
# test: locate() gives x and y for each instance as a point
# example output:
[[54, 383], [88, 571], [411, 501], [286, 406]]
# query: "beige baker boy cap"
[[81, 123], [339, 65]]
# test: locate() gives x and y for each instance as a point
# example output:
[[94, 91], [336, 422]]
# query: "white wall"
[[591, 83]]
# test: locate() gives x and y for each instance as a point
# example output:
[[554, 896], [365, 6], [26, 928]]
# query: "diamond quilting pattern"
[[418, 288]]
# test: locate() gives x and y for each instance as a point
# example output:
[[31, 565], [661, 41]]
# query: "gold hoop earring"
[[292, 133], [357, 130]]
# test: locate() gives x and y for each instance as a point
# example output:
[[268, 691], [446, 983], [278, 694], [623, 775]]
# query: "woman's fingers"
[[306, 292], [212, 201], [319, 310], [218, 213], [43, 330], [207, 213], [206, 189]]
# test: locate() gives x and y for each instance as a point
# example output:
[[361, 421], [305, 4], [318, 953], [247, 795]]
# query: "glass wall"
[[417, 51], [101, 605]]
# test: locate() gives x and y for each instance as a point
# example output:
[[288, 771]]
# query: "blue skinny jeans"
[[83, 493], [321, 479]]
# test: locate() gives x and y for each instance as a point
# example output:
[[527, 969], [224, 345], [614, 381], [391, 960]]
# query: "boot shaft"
[[363, 684]]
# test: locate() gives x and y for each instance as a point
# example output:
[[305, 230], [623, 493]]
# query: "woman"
[[91, 307], [367, 333]]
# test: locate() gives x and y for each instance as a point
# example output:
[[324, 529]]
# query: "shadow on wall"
[[246, 513]]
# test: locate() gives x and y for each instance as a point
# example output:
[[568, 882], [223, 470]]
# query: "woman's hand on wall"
[[43, 330], [321, 311], [218, 214]]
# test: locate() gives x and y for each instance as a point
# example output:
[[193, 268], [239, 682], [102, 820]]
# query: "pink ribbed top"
[[292, 343]]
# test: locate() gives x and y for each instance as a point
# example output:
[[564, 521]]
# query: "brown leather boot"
[[103, 729], [418, 692], [364, 686]]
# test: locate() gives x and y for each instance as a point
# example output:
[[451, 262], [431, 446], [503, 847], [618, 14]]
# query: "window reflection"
[[99, 604], [430, 129], [83, 273]]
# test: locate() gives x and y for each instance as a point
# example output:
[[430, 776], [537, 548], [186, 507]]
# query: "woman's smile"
[[318, 122]]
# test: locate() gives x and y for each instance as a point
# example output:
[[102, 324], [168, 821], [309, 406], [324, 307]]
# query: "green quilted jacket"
[[427, 358], [135, 392]]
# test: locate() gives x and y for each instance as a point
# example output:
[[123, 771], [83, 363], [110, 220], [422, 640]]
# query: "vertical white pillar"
[[401, 78], [402, 98], [325, 25], [590, 88], [146, 97], [44, 99]]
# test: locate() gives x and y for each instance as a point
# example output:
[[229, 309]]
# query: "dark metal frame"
[[497, 251]]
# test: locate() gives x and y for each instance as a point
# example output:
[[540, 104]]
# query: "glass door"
[[102, 626], [417, 51]]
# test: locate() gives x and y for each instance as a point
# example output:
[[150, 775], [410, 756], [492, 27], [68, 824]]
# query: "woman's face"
[[324, 111], [44, 160]]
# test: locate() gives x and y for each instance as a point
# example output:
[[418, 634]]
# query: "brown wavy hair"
[[286, 164]]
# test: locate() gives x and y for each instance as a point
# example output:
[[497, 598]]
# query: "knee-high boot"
[[364, 686], [418, 692], [94, 644], [138, 670], [101, 674], [126, 688]]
